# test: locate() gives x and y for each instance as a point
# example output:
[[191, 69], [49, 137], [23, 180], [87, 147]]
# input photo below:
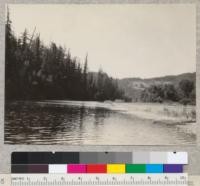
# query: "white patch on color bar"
[[53, 169], [177, 158]]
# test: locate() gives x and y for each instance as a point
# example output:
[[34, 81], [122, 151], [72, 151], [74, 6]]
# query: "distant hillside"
[[134, 86]]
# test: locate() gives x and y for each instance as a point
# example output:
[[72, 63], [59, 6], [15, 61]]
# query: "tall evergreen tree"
[[85, 72]]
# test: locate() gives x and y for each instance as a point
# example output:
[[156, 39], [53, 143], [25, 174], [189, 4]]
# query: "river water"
[[85, 123]]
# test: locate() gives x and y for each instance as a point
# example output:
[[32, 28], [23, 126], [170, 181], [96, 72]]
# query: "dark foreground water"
[[89, 123]]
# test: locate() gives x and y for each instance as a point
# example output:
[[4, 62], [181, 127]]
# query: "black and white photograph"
[[100, 74]]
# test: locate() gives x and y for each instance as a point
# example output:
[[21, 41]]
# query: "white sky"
[[125, 40]]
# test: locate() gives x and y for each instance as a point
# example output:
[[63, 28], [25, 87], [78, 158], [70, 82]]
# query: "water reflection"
[[90, 123]]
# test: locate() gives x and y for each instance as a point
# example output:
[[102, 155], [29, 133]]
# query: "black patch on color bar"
[[44, 157]]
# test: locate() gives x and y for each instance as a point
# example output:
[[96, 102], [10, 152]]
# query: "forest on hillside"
[[184, 93], [174, 88], [36, 71]]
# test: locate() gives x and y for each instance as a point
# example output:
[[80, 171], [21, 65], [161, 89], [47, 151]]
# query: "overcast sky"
[[125, 40]]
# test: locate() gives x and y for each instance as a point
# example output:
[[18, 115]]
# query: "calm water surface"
[[89, 123]]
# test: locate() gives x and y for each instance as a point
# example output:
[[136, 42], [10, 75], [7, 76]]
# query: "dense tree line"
[[36, 71], [184, 92]]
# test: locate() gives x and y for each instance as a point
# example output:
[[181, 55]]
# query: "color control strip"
[[97, 168], [99, 157]]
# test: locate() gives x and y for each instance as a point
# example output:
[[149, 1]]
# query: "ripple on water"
[[89, 123]]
